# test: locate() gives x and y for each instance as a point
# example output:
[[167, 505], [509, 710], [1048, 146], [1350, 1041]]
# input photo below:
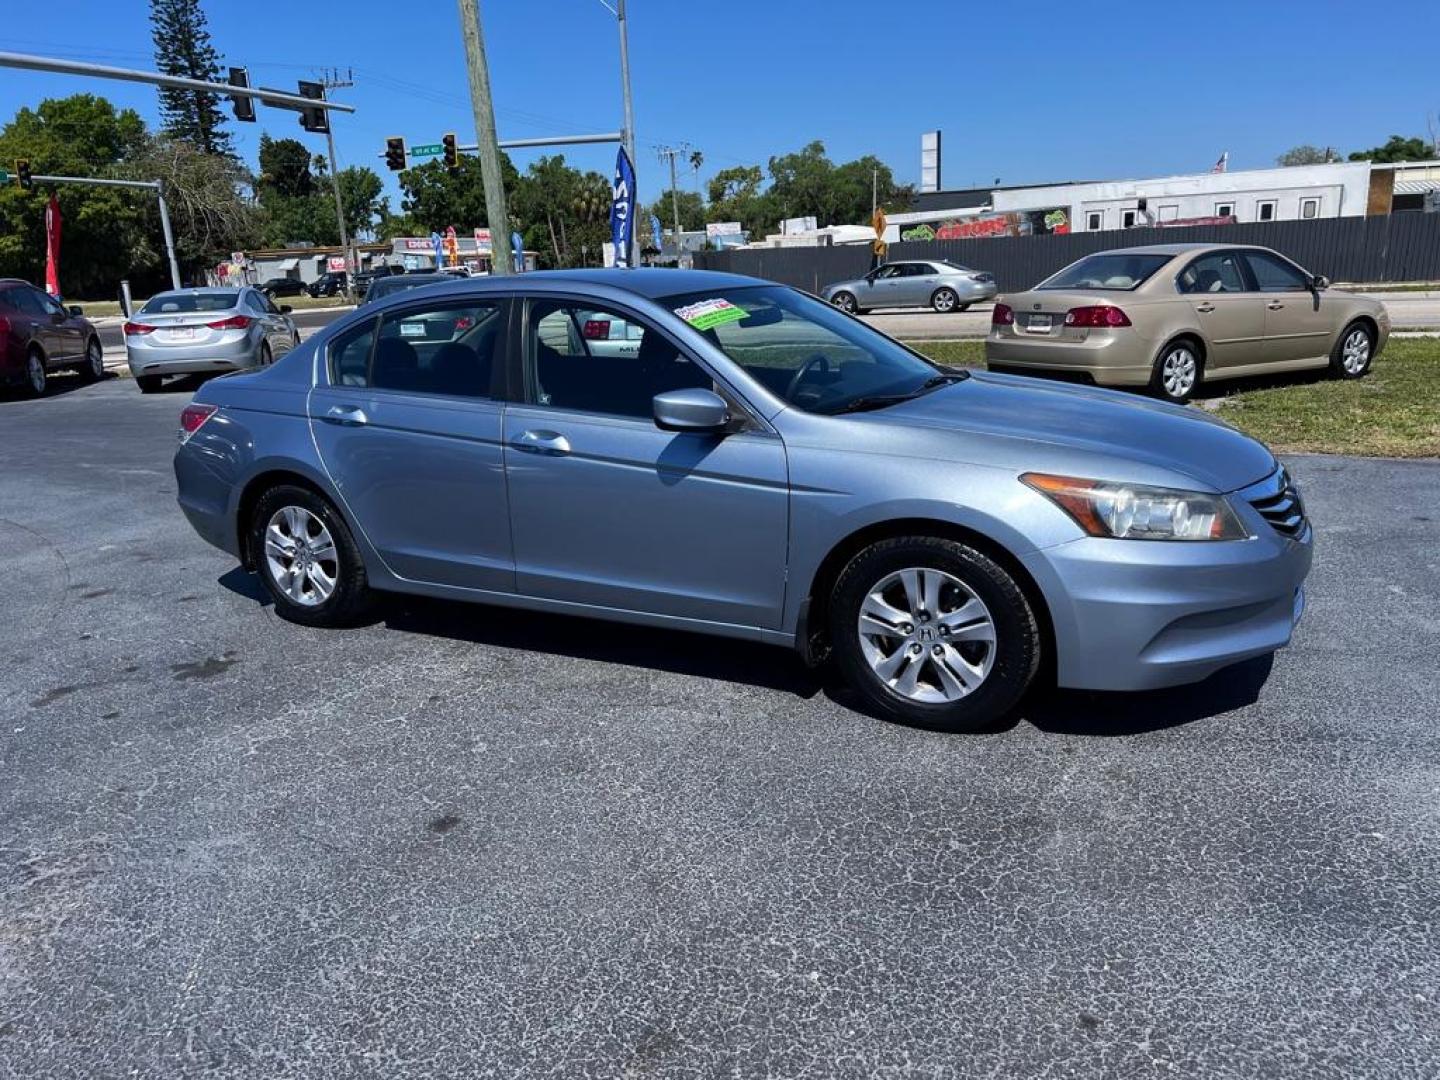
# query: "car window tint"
[[595, 360], [7, 300], [1215, 273], [1273, 274], [893, 270], [350, 355], [919, 270], [254, 303], [1119, 270], [177, 303], [27, 302], [46, 303], [446, 348], [268, 304]]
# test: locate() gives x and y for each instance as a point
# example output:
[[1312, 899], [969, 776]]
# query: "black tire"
[[1170, 385], [37, 379], [1016, 647], [845, 301], [148, 384], [1343, 366], [945, 300], [352, 597], [93, 367], [266, 356]]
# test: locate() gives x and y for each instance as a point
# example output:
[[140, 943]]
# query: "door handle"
[[1274, 305], [550, 443], [348, 415], [1205, 309]]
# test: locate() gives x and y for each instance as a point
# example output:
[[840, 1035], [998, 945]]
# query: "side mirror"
[[286, 309], [1319, 281], [76, 311], [691, 410]]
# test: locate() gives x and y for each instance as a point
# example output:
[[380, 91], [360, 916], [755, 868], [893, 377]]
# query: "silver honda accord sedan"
[[198, 331], [760, 466]]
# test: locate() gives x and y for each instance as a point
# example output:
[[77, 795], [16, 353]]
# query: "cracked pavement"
[[465, 841]]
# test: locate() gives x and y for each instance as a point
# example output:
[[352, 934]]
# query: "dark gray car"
[[758, 466], [931, 283]]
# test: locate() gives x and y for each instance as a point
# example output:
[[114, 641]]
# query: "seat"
[[1208, 280], [397, 365], [460, 371]]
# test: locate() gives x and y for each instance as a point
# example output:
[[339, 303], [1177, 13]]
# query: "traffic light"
[[22, 173], [314, 119], [243, 105], [395, 153], [452, 153]]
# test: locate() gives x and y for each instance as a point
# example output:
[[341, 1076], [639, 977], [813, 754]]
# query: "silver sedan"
[[928, 283], [200, 331]]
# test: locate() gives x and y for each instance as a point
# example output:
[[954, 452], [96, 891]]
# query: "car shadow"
[[57, 384], [1048, 709], [1225, 387]]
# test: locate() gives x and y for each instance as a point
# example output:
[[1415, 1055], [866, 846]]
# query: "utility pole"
[[487, 144], [672, 152], [630, 122], [332, 81], [874, 186]]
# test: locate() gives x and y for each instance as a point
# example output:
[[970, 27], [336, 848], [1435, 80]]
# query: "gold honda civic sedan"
[[1171, 316]]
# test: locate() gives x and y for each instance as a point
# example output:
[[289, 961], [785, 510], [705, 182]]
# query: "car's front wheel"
[[1350, 359], [934, 633], [36, 378], [845, 302], [1177, 372], [307, 558]]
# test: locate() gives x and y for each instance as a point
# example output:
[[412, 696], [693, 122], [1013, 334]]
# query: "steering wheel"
[[819, 360]]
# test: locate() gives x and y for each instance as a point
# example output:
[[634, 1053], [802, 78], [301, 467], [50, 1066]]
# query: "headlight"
[[1131, 512]]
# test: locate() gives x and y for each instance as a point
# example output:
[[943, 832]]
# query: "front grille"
[[1278, 501]]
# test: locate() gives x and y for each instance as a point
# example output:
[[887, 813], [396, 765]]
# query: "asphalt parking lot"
[[469, 842]]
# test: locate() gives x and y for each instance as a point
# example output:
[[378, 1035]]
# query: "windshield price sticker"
[[708, 313]]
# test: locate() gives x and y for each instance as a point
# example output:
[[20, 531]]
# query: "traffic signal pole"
[[150, 185]]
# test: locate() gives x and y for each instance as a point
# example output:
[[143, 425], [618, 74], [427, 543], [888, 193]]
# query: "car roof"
[[649, 282], [1172, 249]]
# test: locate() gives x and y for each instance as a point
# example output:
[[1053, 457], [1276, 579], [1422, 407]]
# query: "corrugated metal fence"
[[1394, 247]]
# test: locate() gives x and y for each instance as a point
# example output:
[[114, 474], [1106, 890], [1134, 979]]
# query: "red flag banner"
[[52, 246]]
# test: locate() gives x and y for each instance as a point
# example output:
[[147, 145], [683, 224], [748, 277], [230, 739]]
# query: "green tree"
[[735, 196], [106, 234], [1397, 148], [284, 168], [560, 212], [434, 197], [360, 198], [183, 48], [692, 210], [1304, 154]]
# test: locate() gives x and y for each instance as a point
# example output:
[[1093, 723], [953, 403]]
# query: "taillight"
[[1002, 316], [1100, 315], [132, 328], [192, 417], [234, 322], [597, 328]]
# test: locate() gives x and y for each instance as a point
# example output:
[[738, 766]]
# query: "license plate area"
[[181, 333], [1039, 324]]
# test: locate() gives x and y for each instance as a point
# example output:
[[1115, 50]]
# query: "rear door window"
[[1218, 272], [447, 348]]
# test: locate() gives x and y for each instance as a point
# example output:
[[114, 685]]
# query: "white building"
[[1299, 192]]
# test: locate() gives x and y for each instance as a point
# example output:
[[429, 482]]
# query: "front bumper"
[[1139, 615]]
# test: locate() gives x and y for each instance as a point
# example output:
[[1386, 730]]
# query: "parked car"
[[365, 278], [39, 335], [330, 283], [931, 283], [1173, 316], [193, 331], [763, 467], [282, 286], [389, 286]]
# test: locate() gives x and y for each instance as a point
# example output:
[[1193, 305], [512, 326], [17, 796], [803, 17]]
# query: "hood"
[[1103, 430]]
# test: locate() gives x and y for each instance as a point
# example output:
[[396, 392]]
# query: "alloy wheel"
[[35, 372], [926, 635], [1355, 353], [1177, 373], [845, 302], [300, 555], [944, 300]]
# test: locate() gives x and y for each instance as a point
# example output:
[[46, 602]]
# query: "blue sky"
[[1030, 93]]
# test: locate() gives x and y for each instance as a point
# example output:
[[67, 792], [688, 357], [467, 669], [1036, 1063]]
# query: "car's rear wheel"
[[1350, 359], [944, 300], [308, 559], [148, 384], [36, 378], [266, 356], [934, 633], [1178, 371], [94, 366], [845, 302]]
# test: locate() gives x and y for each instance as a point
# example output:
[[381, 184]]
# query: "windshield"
[[399, 282], [170, 303], [1113, 271], [805, 351]]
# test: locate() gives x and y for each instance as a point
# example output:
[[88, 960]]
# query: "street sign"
[[427, 150]]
